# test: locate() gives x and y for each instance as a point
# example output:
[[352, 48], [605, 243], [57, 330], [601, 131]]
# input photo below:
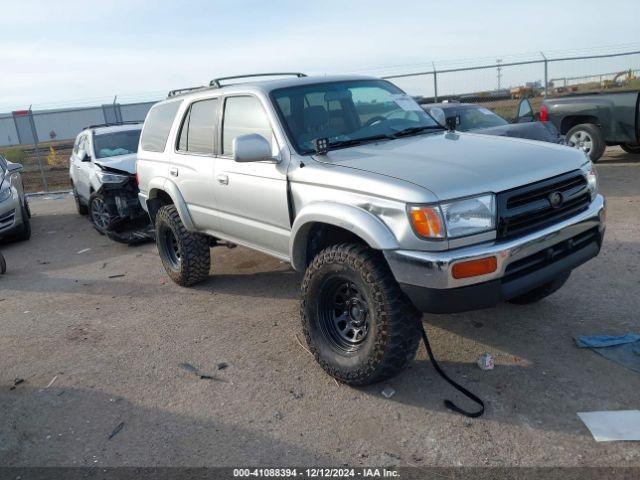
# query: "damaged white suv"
[[387, 212], [102, 170]]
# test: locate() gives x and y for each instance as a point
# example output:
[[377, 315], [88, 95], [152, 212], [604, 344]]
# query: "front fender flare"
[[162, 184], [354, 219]]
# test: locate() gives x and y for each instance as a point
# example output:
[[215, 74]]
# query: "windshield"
[[349, 112], [475, 117], [117, 143]]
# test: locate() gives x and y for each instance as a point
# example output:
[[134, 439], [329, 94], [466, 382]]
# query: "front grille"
[[6, 220], [529, 208], [550, 255]]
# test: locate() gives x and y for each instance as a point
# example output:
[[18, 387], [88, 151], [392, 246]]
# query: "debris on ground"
[[16, 382], [297, 395], [84, 250], [388, 392], [117, 275], [51, 382], [116, 430], [621, 349], [485, 361], [203, 376], [613, 425], [277, 415], [222, 365]]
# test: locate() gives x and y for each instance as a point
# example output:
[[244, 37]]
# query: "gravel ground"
[[97, 352]]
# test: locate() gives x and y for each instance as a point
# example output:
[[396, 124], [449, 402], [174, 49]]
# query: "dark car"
[[594, 121], [478, 119]]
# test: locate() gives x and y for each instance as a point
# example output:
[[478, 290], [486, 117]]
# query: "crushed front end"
[[126, 221]]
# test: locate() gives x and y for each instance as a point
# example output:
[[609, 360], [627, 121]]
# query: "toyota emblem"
[[556, 199]]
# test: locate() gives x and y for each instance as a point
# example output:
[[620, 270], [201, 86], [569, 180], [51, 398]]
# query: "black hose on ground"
[[448, 403]]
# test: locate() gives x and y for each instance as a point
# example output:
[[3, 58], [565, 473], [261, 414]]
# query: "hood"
[[124, 163], [453, 165], [542, 131]]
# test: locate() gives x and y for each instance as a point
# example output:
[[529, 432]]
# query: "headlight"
[[106, 177], [592, 180], [5, 193], [458, 218]]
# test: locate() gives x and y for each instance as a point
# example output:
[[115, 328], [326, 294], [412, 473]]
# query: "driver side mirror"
[[14, 167], [251, 148], [525, 112]]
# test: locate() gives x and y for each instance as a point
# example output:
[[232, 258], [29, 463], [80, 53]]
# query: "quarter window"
[[197, 132], [242, 116], [157, 126]]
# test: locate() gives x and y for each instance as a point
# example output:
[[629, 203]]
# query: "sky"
[[63, 53]]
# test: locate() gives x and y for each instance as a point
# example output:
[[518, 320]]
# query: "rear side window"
[[242, 116], [157, 126], [198, 127]]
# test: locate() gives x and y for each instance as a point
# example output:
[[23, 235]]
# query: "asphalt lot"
[[115, 345]]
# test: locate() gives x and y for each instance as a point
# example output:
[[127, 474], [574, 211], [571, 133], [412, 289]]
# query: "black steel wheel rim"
[[169, 244], [99, 213], [343, 312]]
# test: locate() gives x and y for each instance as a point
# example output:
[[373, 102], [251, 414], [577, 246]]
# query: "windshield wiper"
[[413, 130]]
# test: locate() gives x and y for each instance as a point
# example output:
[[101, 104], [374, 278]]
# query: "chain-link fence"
[[42, 140], [499, 85]]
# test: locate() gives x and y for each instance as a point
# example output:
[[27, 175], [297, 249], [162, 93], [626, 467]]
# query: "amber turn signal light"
[[473, 268], [427, 222]]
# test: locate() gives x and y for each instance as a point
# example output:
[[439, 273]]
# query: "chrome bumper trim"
[[433, 269]]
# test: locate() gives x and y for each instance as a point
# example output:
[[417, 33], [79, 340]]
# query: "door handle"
[[223, 179], [173, 171]]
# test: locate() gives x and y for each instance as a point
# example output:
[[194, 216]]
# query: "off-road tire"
[[541, 292], [598, 144], [394, 329], [81, 208], [629, 148], [194, 254]]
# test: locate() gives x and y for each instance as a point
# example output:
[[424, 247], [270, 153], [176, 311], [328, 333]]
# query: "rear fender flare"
[[160, 184]]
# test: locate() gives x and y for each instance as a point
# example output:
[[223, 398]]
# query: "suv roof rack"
[[182, 91], [215, 83], [114, 124]]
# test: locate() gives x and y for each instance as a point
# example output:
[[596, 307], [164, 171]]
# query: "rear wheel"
[[630, 148], [541, 292], [185, 255], [587, 137], [357, 322]]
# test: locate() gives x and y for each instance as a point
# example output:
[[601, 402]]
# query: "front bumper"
[[524, 263], [10, 214]]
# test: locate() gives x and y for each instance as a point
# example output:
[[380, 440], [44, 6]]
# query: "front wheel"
[[588, 138], [24, 230], [357, 322], [630, 148], [185, 255], [99, 213]]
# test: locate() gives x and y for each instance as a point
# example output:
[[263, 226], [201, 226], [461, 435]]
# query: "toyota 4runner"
[[387, 213]]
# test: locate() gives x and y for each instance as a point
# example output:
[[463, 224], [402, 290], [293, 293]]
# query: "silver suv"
[[14, 206], [387, 213]]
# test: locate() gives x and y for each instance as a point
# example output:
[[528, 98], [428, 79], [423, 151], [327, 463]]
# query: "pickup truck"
[[596, 120], [387, 213]]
